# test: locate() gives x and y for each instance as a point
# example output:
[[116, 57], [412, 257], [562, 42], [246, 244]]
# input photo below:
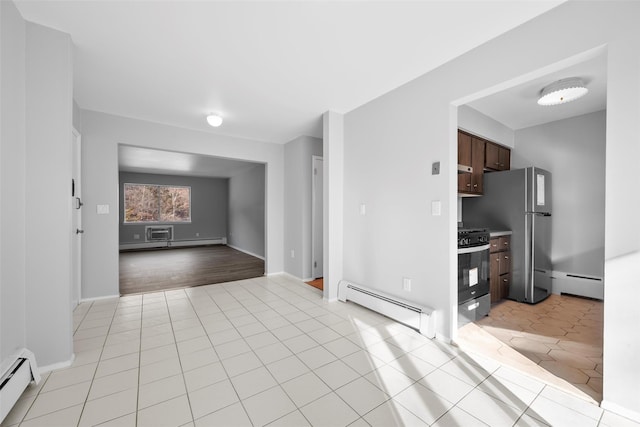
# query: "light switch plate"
[[102, 209], [435, 168]]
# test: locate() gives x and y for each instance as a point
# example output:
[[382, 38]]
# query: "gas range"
[[470, 237]]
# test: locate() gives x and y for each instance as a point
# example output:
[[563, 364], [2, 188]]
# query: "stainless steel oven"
[[474, 300]]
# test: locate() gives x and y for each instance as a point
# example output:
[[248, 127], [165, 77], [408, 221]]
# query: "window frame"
[[124, 204]]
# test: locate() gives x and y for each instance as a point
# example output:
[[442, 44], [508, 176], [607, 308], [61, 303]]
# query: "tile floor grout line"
[[86, 399]]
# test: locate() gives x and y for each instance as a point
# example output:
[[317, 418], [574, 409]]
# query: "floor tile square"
[[389, 380], [69, 376], [423, 403], [273, 352], [293, 419], [286, 332], [392, 413], [287, 368], [305, 388], [159, 370], [212, 398], [316, 357], [489, 409], [336, 374], [58, 399], [300, 343], [63, 417], [110, 384], [242, 363], [261, 340], [363, 362], [108, 407], [232, 348], [198, 359], [268, 406], [233, 415], [329, 410], [457, 417], [253, 382], [174, 412], [341, 347], [362, 396], [204, 376], [160, 391]]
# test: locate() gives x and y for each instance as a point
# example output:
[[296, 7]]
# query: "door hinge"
[[315, 264]]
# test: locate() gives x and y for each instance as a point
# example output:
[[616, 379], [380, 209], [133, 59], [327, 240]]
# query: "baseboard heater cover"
[[21, 371], [577, 284], [422, 319]]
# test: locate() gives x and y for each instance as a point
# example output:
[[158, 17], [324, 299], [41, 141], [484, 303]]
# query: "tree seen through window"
[[156, 203]]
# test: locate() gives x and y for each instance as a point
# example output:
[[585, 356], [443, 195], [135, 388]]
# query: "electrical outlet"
[[406, 284], [136, 237], [435, 168], [197, 234]]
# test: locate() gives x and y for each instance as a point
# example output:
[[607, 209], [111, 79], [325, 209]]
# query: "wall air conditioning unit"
[[157, 233]]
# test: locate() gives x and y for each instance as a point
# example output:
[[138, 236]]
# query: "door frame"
[[76, 259], [314, 219]]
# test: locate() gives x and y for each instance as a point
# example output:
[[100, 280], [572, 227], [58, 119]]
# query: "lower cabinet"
[[499, 268]]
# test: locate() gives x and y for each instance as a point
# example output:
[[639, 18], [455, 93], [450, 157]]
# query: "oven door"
[[473, 272]]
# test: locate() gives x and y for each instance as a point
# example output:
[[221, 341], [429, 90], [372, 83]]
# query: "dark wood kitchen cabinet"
[[471, 152], [500, 267], [497, 157]]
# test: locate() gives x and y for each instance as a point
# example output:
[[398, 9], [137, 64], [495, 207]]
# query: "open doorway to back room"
[[531, 192], [188, 220]]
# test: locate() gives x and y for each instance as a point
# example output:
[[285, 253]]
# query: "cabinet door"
[[464, 149], [504, 159], [495, 287], [492, 156], [505, 262], [477, 163], [505, 282]]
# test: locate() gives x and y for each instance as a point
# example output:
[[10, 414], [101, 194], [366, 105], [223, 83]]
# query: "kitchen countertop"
[[498, 233]]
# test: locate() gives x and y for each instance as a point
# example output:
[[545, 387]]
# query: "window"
[[156, 203]]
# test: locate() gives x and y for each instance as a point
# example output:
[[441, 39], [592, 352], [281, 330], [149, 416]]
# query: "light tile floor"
[[270, 351]]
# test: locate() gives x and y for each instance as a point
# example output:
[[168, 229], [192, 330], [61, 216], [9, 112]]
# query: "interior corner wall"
[[49, 106], [12, 182], [101, 135], [298, 192], [246, 218], [209, 207], [573, 150]]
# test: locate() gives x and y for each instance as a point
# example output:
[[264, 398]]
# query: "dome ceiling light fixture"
[[562, 91], [214, 120]]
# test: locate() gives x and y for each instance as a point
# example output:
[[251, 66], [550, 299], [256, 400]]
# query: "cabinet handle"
[[497, 163], [468, 185], [506, 257], [505, 280], [475, 185]]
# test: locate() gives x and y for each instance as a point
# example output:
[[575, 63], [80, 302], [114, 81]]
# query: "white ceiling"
[[269, 68], [517, 107], [146, 160]]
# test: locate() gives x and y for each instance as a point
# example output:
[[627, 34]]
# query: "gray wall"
[[247, 211], [209, 205], [12, 181], [48, 135], [297, 190], [35, 181], [573, 150]]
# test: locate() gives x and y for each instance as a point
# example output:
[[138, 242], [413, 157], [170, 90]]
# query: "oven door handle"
[[473, 249]]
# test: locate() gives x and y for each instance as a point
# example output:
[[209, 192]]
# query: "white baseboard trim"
[[54, 366], [99, 298], [277, 273], [627, 413], [246, 252], [291, 276], [174, 243]]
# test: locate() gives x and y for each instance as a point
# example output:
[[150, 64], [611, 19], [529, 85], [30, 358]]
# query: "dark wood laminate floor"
[[154, 270]]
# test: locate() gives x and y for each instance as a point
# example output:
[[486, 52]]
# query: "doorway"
[[316, 217]]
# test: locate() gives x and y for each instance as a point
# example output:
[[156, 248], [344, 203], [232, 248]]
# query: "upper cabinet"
[[470, 153], [497, 157], [480, 155]]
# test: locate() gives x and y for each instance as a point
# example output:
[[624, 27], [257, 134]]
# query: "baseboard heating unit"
[[17, 373], [422, 319]]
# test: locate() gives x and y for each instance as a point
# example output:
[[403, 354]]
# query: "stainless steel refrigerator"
[[519, 200]]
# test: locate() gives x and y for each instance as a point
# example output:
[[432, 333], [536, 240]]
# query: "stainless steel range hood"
[[465, 169]]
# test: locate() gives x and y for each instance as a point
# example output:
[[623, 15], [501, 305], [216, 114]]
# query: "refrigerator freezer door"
[[537, 261]]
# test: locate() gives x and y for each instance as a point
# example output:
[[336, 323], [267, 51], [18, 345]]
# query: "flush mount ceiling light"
[[214, 120], [562, 91]]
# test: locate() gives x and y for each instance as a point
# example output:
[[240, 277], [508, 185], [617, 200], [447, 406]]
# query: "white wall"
[[297, 214], [12, 181], [246, 211], [100, 138], [473, 121], [48, 237], [390, 143], [573, 150]]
